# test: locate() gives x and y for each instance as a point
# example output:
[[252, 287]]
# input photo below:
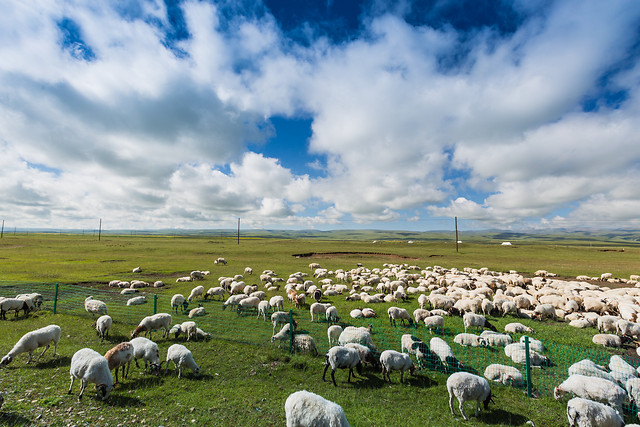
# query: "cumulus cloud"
[[102, 113]]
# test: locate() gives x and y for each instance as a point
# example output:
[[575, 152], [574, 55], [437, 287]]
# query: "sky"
[[515, 115]]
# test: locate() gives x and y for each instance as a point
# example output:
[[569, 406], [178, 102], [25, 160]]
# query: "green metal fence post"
[[527, 365], [291, 349], [155, 303], [55, 300]]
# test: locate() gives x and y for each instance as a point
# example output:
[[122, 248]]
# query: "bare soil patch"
[[339, 254]]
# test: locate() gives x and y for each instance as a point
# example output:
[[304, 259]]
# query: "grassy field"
[[247, 384]]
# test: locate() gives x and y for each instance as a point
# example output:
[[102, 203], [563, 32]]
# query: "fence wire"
[[245, 326]]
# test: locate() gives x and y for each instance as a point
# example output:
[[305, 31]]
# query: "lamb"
[[398, 313], [95, 306], [103, 326], [470, 340], [358, 335], [333, 333], [304, 408], [263, 308], [196, 292], [517, 328], [434, 322], [15, 304], [587, 413], [178, 300], [507, 375], [332, 314], [33, 340], [147, 350], [202, 335], [593, 388], [189, 329], [342, 358], [607, 340], [150, 323], [217, 291], [197, 312], [444, 353], [392, 360], [88, 365], [477, 320], [465, 386], [120, 356], [137, 300], [181, 358]]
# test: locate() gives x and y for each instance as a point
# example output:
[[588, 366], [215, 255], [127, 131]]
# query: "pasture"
[[247, 383]]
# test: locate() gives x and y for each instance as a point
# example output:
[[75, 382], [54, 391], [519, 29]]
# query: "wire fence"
[[246, 326]]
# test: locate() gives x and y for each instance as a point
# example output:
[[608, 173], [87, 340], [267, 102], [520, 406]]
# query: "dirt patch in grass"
[[339, 254]]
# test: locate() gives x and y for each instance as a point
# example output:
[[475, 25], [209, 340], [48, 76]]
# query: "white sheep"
[[608, 324], [151, 323], [220, 261], [198, 291], [534, 344], [341, 358], [633, 390], [587, 413], [217, 291], [234, 300], [318, 309], [397, 313], [304, 343], [263, 308], [276, 302], [120, 356], [95, 306], [358, 335], [181, 358], [470, 340], [598, 389], [517, 328], [444, 353], [248, 303], [518, 354], [507, 375], [283, 334], [434, 321], [33, 340], [392, 360], [197, 312], [280, 318], [177, 301], [333, 333], [197, 275], [137, 300], [618, 364], [366, 355], [304, 408], [477, 320], [147, 350], [103, 326], [184, 279], [332, 314], [496, 340], [607, 340], [589, 368], [88, 365], [468, 387], [189, 329], [202, 335]]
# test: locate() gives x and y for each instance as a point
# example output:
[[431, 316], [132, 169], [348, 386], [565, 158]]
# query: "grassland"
[[247, 384]]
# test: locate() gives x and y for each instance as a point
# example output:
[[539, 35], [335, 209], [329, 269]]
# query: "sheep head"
[[488, 400]]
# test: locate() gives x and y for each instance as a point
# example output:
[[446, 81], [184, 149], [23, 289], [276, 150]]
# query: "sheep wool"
[[507, 375], [30, 341], [103, 326], [592, 388], [155, 322], [89, 366], [147, 350], [304, 408], [392, 360], [465, 387], [341, 358], [182, 358], [587, 413]]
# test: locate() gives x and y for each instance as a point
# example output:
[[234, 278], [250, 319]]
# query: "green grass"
[[247, 384]]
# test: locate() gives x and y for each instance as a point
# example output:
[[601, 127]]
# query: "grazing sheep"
[[517, 328], [406, 343], [276, 302], [189, 329], [477, 320], [392, 360], [33, 340], [95, 306], [587, 413], [444, 353], [197, 275], [304, 343], [518, 354], [280, 318], [434, 321], [366, 355], [592, 388], [332, 315], [120, 356], [103, 326], [318, 309], [283, 334], [507, 375], [88, 365], [220, 261], [217, 291], [633, 390], [234, 300], [202, 335], [608, 324], [304, 408], [147, 350], [181, 358], [341, 358], [419, 314], [358, 335], [465, 387], [151, 323], [398, 313], [178, 300], [470, 340], [333, 333], [198, 291], [248, 303]]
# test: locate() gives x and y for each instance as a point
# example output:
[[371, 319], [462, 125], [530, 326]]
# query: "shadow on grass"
[[500, 416], [10, 419], [56, 362]]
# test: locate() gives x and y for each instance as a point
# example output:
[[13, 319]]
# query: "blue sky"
[[320, 114]]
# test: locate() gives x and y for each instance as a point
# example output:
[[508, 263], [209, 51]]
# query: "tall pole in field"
[[2, 231], [100, 230], [456, 218], [238, 230]]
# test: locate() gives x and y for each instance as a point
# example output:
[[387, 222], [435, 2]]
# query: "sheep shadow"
[[56, 362], [120, 401], [11, 419], [500, 416]]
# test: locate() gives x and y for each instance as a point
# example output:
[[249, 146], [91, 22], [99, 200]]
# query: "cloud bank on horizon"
[[177, 114]]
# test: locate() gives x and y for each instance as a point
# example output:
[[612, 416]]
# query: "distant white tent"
[[506, 243]]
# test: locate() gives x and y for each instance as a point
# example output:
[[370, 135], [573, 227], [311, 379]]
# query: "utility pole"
[[100, 230], [456, 219], [238, 230], [2, 231]]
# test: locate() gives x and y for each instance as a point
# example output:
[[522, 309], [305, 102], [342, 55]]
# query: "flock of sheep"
[[470, 293]]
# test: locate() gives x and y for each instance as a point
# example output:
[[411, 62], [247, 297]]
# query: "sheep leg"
[[116, 376], [71, 386], [55, 347], [462, 410], [30, 357], [401, 375], [137, 366], [333, 371], [83, 385], [325, 371], [42, 354], [451, 403]]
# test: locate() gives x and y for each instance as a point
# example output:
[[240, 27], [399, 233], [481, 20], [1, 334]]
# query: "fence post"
[[291, 349], [527, 365], [55, 300], [155, 303]]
